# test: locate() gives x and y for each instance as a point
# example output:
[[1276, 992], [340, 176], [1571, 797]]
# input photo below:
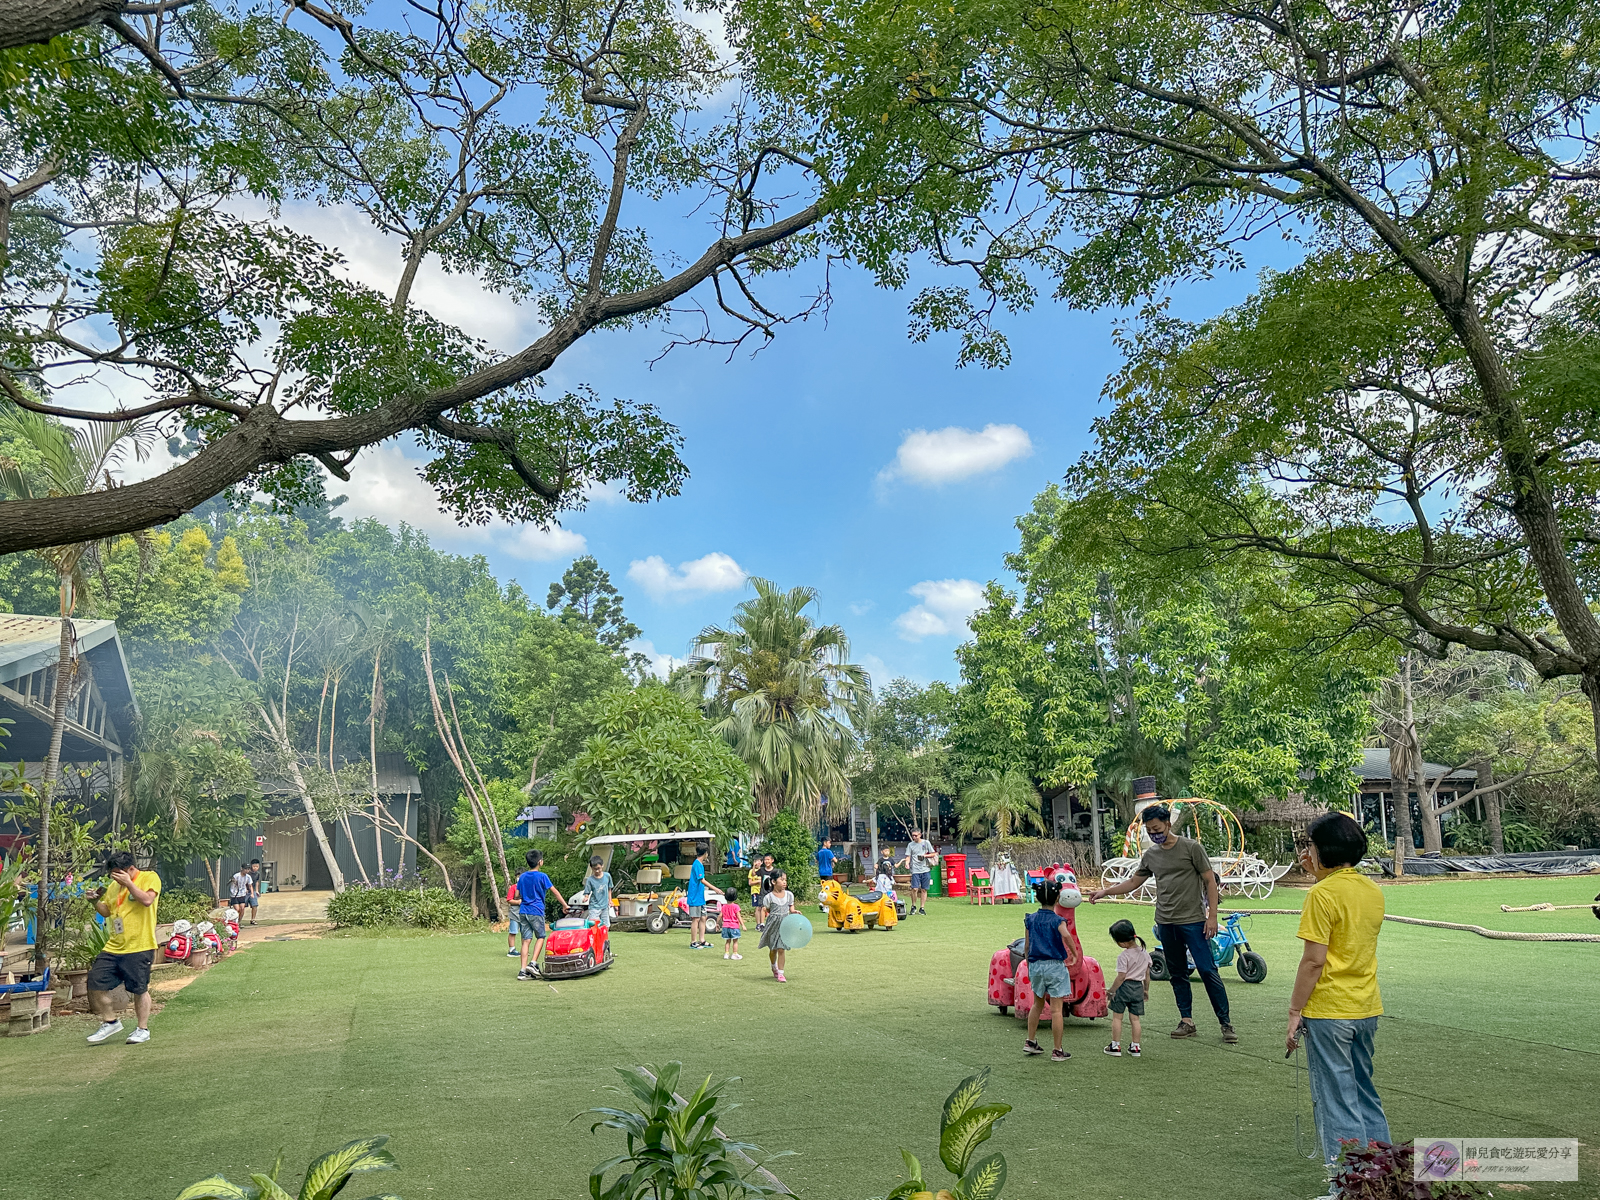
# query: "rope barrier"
[[1499, 935]]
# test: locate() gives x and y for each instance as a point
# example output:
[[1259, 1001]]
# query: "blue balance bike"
[[1229, 946]]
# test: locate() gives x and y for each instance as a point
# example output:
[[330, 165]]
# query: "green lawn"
[[302, 1045]]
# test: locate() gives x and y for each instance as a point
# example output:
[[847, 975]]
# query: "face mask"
[[1158, 838]]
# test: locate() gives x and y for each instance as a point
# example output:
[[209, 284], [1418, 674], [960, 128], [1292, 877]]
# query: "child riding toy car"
[[577, 946], [1008, 973]]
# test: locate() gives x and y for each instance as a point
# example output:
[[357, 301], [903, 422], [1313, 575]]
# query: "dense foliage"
[[657, 765], [376, 907], [792, 847]]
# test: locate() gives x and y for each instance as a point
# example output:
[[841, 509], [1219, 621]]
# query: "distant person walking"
[[129, 905], [765, 879], [919, 861], [1335, 1004], [255, 888], [1188, 899], [825, 857], [532, 887], [239, 889], [778, 903], [732, 921]]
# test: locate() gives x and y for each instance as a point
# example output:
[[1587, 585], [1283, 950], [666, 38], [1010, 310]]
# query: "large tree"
[[1099, 670], [788, 695], [1437, 163], [154, 241]]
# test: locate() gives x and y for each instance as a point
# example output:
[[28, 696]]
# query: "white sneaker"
[[106, 1031], [138, 1036], [738, 958]]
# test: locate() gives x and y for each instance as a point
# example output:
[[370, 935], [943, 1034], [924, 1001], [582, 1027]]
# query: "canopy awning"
[[616, 839]]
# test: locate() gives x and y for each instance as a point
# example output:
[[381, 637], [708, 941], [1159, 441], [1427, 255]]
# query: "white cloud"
[[946, 605], [716, 572], [662, 664], [385, 484], [935, 456]]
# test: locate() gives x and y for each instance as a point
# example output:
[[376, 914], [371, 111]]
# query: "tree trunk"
[[1427, 804], [1491, 808], [307, 803], [372, 753], [447, 738]]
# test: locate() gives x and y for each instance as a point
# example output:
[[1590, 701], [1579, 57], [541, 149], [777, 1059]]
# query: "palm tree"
[[999, 803], [63, 462], [788, 697]]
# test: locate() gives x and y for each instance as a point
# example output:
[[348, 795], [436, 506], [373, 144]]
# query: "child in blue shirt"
[[532, 887], [1050, 950]]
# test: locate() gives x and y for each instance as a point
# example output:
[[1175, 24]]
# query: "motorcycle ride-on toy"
[[1229, 946]]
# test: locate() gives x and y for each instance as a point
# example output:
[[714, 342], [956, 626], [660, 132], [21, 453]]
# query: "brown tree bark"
[[32, 22], [1491, 808]]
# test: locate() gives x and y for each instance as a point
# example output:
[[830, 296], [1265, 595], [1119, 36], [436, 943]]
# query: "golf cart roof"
[[616, 839]]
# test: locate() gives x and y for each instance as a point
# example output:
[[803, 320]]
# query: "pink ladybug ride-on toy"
[[577, 946], [1008, 973]]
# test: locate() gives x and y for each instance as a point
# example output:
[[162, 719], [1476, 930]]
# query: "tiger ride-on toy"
[[1230, 938], [852, 914], [1008, 970], [577, 946]]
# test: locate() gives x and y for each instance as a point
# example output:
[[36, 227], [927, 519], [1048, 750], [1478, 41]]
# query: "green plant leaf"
[[215, 1188], [909, 1188], [967, 1093], [329, 1173], [960, 1138], [269, 1188], [913, 1167], [984, 1180]]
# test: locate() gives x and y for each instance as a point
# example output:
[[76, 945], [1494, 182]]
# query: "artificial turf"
[[299, 1046]]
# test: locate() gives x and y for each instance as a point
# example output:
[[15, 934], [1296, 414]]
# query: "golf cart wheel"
[[1252, 967], [656, 921], [1158, 966]]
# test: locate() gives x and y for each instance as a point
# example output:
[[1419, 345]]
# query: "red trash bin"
[[955, 874]]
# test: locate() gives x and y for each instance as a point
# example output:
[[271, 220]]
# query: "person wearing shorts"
[[128, 903], [732, 921], [918, 860], [254, 899], [695, 897]]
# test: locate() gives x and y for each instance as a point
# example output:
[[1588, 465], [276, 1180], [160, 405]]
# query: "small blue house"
[[537, 821]]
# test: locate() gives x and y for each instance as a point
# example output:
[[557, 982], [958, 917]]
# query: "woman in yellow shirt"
[[1335, 1004]]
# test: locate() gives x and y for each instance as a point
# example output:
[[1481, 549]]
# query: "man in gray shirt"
[[1187, 902], [919, 853]]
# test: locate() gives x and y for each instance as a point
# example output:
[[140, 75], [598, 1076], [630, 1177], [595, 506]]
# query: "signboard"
[[260, 841]]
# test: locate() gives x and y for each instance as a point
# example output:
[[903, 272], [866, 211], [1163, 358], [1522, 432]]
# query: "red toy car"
[[577, 947], [1008, 973]]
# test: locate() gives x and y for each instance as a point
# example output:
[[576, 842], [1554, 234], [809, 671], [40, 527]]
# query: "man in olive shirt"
[[129, 906], [1187, 900], [1335, 1005]]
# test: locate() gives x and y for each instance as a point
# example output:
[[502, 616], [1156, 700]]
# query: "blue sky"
[[845, 456]]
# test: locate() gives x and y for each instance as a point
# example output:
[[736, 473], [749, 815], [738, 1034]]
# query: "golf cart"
[[639, 901]]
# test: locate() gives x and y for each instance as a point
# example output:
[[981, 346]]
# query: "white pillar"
[[1094, 823]]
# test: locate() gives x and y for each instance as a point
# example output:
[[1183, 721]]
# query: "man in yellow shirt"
[[1335, 1004], [129, 906]]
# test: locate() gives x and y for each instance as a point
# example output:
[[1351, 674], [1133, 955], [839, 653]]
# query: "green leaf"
[[958, 1140], [215, 1188], [984, 1180], [329, 1173], [269, 1188], [967, 1093], [913, 1167], [909, 1188]]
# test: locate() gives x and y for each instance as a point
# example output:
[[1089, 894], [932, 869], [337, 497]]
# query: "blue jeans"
[[1345, 1102], [1191, 938]]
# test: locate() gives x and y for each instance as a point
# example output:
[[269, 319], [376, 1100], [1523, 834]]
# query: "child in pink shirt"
[[732, 923]]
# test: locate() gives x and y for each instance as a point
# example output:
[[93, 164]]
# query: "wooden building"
[[1376, 803], [100, 714]]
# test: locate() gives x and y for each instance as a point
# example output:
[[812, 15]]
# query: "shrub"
[[674, 1149], [372, 908], [438, 909], [324, 1178], [794, 849], [1380, 1171], [964, 1125], [183, 902], [368, 906]]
